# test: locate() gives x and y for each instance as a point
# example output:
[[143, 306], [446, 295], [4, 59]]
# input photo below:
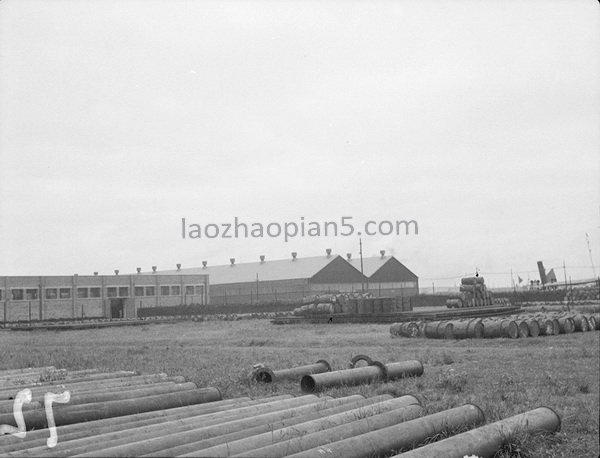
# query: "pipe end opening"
[[307, 384]]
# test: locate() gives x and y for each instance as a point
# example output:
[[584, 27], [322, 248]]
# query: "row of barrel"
[[284, 425], [319, 376], [514, 326]]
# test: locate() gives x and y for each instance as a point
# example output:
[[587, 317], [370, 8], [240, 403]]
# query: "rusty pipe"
[[487, 440]]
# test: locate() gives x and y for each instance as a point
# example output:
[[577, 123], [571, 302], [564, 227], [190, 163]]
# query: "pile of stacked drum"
[[473, 293]]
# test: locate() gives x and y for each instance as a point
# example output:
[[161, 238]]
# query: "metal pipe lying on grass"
[[199, 426], [188, 430], [89, 397], [375, 372], [352, 402], [397, 437], [487, 440], [266, 375], [96, 427], [329, 429], [186, 443], [36, 419], [58, 386]]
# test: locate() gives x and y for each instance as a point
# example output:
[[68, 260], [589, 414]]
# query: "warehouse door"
[[116, 308]]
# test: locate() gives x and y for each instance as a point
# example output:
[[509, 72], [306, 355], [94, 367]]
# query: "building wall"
[[261, 291], [96, 296], [394, 289], [327, 288], [273, 291], [337, 276]]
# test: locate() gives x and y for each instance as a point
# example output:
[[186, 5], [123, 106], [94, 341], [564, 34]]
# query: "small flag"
[[520, 279]]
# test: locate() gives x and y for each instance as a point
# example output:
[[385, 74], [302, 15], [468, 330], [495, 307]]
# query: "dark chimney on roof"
[[328, 251]]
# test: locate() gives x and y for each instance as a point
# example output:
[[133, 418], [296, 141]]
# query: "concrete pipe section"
[[375, 372], [263, 374], [487, 440]]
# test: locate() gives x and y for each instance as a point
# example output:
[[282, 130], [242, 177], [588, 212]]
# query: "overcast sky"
[[478, 120]]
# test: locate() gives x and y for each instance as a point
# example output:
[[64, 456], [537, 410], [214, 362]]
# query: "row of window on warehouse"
[[30, 294]]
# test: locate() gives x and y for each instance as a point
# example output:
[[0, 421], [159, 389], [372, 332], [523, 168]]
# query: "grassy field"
[[503, 377]]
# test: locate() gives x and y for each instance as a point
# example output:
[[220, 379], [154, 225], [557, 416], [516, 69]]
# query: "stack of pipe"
[[93, 395], [278, 426], [220, 428]]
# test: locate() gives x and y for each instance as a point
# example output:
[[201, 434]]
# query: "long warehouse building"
[[294, 278], [26, 298]]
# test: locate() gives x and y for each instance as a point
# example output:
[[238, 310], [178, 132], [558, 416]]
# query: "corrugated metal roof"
[[280, 269]]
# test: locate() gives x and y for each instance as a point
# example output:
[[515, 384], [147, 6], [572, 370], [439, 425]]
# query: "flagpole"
[[512, 280]]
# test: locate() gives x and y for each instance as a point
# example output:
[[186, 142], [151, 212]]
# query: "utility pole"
[[587, 238], [566, 287], [362, 281]]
